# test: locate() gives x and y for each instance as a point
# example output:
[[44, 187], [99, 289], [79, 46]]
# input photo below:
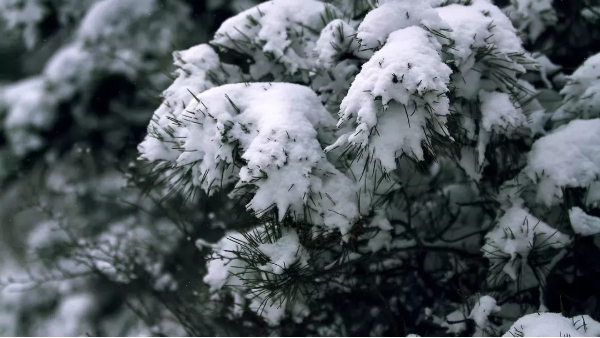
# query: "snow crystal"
[[584, 224], [567, 157], [410, 78], [516, 234]]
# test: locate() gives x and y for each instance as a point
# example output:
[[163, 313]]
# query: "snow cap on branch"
[[410, 79]]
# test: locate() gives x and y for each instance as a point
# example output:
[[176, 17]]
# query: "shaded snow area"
[[228, 267], [554, 325], [567, 157]]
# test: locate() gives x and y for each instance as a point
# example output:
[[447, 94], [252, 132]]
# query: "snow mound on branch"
[[28, 110], [24, 15], [582, 92], [265, 138], [336, 64], [554, 325], [584, 224], [485, 48], [515, 236], [469, 25], [499, 113], [336, 39], [197, 69], [567, 157], [132, 24], [391, 16], [109, 16], [409, 77], [227, 268], [284, 252], [484, 307], [278, 35], [531, 16]]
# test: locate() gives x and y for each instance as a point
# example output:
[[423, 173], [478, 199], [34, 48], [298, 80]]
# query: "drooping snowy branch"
[[263, 137], [581, 93], [279, 36], [518, 233], [567, 157], [398, 99]]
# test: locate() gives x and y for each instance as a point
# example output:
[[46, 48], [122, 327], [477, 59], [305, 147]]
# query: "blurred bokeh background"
[[83, 248]]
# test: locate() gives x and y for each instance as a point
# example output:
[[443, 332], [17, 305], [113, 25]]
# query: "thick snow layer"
[[484, 46], [582, 92], [273, 130], [484, 307], [582, 223], [515, 235], [277, 33], [197, 69], [480, 24], [554, 325], [409, 77], [391, 16], [499, 113], [567, 157]]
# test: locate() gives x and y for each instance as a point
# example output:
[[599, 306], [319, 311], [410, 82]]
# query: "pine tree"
[[436, 202], [342, 167]]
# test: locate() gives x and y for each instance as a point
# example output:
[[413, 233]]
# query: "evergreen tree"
[[345, 167]]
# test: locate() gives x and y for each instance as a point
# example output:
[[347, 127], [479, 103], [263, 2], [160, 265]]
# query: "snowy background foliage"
[[300, 167]]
